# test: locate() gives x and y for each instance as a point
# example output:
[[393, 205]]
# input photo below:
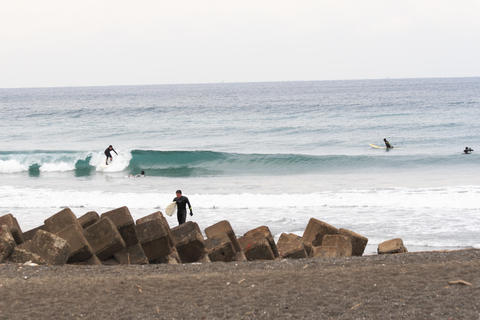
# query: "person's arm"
[[115, 152], [189, 207]]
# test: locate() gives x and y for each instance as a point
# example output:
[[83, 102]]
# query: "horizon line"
[[231, 82]]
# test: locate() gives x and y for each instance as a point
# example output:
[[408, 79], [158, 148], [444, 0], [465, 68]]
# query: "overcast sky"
[[109, 42]]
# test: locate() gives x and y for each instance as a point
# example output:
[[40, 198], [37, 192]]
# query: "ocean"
[[255, 154]]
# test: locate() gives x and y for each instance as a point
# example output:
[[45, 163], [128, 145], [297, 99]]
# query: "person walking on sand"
[[182, 202], [108, 154]]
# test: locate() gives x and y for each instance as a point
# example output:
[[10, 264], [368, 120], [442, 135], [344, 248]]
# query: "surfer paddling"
[[387, 144], [467, 150], [182, 202], [108, 154]]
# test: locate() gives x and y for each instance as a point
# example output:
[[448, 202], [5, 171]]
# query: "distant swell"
[[210, 163]]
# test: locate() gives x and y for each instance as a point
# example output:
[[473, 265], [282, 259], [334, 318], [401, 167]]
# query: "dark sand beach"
[[402, 286]]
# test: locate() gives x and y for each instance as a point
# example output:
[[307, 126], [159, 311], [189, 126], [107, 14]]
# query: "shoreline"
[[408, 286]]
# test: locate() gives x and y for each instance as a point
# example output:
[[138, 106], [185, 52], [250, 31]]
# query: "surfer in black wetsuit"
[[467, 150], [108, 154], [387, 144], [182, 207]]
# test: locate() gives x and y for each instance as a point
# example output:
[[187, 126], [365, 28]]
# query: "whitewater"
[[271, 154]]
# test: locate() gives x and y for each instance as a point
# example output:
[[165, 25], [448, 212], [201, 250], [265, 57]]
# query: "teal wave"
[[211, 163]]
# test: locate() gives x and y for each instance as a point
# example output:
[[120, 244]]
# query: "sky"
[[115, 42]]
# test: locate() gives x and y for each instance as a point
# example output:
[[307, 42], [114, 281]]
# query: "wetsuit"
[[108, 153], [387, 144], [182, 208]]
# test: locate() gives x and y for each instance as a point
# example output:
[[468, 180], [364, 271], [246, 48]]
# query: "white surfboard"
[[171, 209]]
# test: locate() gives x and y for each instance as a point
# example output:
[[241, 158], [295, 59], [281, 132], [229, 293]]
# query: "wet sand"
[[403, 286]]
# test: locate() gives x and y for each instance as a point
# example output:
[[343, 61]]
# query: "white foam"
[[57, 167], [120, 162], [12, 166]]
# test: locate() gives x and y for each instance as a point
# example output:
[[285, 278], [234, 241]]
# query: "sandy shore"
[[404, 286]]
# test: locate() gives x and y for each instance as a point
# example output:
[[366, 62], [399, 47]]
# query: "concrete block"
[[264, 231], [80, 249], [314, 232], [28, 235], [104, 238], [110, 262], [122, 218], [359, 242], [220, 249], [131, 255], [22, 255], [155, 236], [189, 242], [172, 258], [93, 260], [290, 246], [341, 242], [50, 247], [7, 243], [60, 221], [88, 219], [223, 228], [256, 247], [11, 222], [327, 252], [392, 246]]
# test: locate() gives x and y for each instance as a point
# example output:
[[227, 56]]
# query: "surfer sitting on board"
[[108, 154], [182, 207], [467, 150], [387, 144]]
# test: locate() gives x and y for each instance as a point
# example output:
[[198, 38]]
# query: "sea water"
[[255, 154]]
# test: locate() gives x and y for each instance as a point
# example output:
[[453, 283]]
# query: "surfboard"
[[374, 146], [170, 209]]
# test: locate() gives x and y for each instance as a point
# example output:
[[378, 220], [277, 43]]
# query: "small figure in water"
[[467, 150], [182, 207], [141, 175], [387, 144], [108, 154]]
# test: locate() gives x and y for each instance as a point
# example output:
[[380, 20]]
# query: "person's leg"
[[181, 216]]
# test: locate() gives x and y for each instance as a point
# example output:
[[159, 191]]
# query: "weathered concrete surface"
[[155, 237], [22, 255], [359, 242], [131, 255], [104, 238], [50, 247], [122, 218], [333, 245], [392, 246], [60, 221], [88, 219], [28, 235], [219, 229], [290, 246], [80, 249], [7, 243], [93, 260], [256, 247], [11, 222], [172, 258], [220, 249], [314, 232], [189, 242], [264, 231]]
